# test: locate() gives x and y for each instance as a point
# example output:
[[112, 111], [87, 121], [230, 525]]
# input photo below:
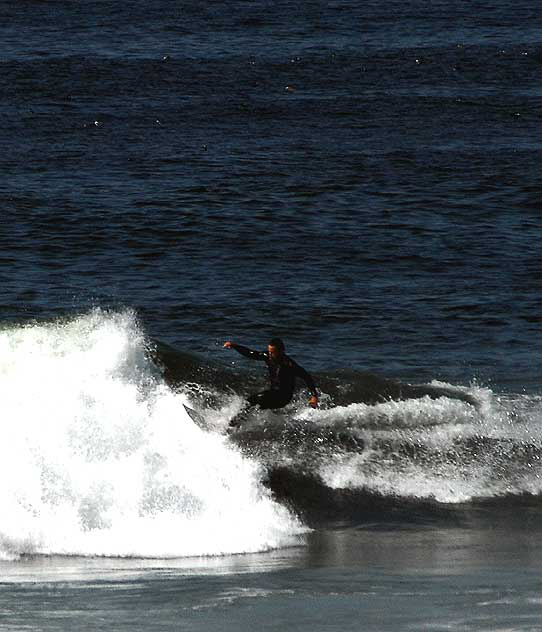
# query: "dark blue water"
[[361, 178]]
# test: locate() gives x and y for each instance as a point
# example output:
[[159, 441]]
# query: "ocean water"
[[361, 178]]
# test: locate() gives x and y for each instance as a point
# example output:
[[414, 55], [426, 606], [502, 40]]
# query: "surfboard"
[[196, 417]]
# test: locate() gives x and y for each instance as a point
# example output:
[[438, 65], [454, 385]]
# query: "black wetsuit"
[[282, 373]]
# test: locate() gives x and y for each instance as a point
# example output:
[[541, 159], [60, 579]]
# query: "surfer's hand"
[[228, 344], [313, 401]]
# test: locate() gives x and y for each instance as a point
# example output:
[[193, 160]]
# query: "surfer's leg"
[[263, 400], [274, 400], [252, 401], [269, 399]]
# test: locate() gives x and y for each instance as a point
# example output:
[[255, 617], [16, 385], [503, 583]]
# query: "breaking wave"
[[100, 458]]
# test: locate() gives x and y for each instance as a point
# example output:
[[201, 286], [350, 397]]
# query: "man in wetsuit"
[[282, 373]]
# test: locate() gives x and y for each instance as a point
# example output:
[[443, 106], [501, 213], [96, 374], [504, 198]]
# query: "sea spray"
[[99, 457], [443, 450]]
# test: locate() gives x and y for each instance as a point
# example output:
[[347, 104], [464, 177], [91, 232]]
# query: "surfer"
[[282, 374]]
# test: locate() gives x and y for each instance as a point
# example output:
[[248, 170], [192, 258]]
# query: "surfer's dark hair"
[[277, 343]]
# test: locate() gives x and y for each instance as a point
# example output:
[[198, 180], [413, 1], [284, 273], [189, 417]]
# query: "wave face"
[[99, 458]]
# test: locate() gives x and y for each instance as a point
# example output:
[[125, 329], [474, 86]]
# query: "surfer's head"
[[275, 347]]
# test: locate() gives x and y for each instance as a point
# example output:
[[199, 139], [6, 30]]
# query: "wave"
[[379, 449], [100, 458], [407, 461]]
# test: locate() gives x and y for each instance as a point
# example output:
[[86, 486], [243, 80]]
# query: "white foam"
[[438, 463], [98, 456]]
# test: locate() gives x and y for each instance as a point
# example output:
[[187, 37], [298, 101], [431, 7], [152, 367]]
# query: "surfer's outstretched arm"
[[245, 351]]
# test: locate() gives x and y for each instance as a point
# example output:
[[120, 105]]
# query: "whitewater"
[[99, 457]]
